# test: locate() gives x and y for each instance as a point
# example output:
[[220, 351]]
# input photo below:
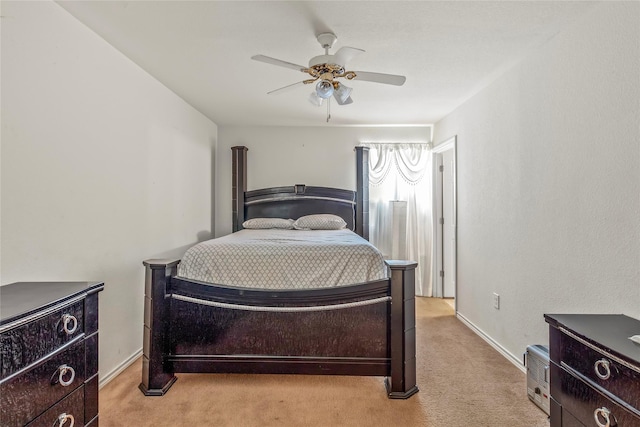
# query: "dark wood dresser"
[[595, 370], [49, 354]]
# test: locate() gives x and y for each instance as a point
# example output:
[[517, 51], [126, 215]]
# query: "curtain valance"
[[409, 160]]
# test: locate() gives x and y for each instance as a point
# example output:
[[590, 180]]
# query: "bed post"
[[362, 191], [238, 184], [156, 380], [402, 382]]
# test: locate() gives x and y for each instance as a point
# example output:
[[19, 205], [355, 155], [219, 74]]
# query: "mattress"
[[284, 259]]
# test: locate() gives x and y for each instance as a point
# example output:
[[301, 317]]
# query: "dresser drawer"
[[602, 369], [71, 406], [583, 401], [560, 417], [24, 396], [24, 344]]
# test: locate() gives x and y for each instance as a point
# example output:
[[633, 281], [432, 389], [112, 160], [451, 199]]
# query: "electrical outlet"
[[496, 301]]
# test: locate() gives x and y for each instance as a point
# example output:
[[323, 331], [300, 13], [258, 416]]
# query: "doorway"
[[444, 220]]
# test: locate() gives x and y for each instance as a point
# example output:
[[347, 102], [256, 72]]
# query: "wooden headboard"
[[298, 200]]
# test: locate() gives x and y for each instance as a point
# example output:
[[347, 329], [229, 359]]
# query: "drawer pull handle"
[[604, 414], [603, 369], [69, 319], [63, 370], [62, 419]]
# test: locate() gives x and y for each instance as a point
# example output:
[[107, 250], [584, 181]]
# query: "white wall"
[[283, 156], [549, 183], [102, 167]]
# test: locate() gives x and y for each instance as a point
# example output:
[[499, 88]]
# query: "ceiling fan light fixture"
[[342, 94], [324, 89], [315, 99]]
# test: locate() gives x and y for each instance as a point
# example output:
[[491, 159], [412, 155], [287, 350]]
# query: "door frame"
[[436, 246]]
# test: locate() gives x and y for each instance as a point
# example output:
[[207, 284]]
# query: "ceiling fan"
[[327, 69]]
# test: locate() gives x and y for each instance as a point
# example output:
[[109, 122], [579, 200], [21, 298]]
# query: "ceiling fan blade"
[[346, 54], [284, 88], [278, 62], [390, 79]]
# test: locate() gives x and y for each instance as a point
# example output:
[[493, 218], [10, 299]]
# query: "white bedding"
[[284, 259]]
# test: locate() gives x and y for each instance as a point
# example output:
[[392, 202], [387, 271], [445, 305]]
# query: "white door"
[[448, 226], [444, 219], [438, 216]]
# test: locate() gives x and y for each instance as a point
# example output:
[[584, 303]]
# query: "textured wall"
[[549, 182], [102, 167]]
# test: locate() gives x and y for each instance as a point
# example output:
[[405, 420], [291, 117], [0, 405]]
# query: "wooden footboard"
[[366, 329]]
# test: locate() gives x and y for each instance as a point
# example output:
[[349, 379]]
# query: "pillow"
[[264, 223], [320, 222]]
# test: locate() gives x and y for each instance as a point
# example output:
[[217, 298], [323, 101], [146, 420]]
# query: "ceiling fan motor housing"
[[322, 59]]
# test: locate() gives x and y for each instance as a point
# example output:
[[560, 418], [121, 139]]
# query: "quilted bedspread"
[[284, 259]]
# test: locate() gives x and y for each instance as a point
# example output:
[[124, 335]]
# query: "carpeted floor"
[[463, 382]]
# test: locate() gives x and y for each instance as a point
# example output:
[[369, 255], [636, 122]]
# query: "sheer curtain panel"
[[400, 202]]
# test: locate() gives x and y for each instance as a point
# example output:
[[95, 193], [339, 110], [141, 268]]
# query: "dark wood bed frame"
[[190, 327]]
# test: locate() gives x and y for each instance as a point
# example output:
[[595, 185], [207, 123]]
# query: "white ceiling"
[[448, 50]]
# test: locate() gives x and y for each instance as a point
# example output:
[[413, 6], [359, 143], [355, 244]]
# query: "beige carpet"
[[463, 383]]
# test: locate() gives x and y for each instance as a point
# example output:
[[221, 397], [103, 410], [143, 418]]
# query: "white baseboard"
[[503, 351], [106, 379]]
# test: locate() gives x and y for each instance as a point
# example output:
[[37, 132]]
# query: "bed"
[[192, 324]]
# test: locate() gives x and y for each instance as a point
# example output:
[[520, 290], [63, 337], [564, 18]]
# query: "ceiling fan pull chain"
[[328, 109]]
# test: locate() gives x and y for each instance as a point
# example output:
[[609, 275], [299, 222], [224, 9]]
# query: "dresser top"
[[21, 299], [610, 331]]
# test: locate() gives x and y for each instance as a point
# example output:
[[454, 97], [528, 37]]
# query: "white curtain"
[[402, 172]]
